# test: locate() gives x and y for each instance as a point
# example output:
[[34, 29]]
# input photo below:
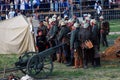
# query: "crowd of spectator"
[[48, 5], [15, 7], [42, 5]]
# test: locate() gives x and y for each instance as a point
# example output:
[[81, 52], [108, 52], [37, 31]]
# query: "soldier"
[[43, 28], [84, 35], [52, 34], [46, 22], [41, 41], [75, 19], [95, 41], [104, 31], [101, 19], [63, 38], [75, 47]]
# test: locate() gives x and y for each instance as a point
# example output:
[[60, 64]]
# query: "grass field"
[[109, 70], [115, 25]]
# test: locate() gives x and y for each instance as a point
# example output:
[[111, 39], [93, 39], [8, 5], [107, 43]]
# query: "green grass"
[[114, 25], [7, 60], [108, 71]]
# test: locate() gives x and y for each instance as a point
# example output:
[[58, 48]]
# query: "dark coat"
[[74, 42], [41, 42], [52, 34], [84, 34], [44, 29], [63, 34], [95, 35]]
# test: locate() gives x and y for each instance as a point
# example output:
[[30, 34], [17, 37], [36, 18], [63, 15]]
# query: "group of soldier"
[[81, 38]]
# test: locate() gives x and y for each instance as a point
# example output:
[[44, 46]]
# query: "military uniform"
[[41, 42], [95, 41], [63, 38], [75, 46], [52, 38], [84, 35], [104, 32]]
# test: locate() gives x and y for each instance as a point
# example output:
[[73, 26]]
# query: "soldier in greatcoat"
[[52, 35], [75, 46], [63, 38], [84, 35], [95, 41]]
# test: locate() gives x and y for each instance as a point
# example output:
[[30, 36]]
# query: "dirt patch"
[[112, 52]]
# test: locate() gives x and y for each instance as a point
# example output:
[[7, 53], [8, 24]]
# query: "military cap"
[[93, 21], [59, 17], [54, 16], [87, 18], [85, 25], [65, 16], [89, 15], [63, 23], [101, 17], [76, 25]]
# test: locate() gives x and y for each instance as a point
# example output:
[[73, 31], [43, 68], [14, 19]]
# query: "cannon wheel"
[[26, 56], [39, 67]]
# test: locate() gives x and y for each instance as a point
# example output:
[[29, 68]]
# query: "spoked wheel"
[[40, 68], [47, 68], [34, 66], [24, 59]]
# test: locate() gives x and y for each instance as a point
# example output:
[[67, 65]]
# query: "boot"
[[81, 63], [71, 62], [58, 57], [76, 63], [64, 58]]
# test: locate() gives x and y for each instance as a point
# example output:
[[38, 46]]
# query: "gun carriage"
[[36, 65]]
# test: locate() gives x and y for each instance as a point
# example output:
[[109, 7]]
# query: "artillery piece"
[[36, 65]]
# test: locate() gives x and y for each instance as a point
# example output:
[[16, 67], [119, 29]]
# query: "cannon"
[[37, 65]]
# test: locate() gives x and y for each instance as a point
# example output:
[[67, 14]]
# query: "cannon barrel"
[[50, 51]]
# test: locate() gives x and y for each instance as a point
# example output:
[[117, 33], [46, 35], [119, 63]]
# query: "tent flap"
[[15, 36]]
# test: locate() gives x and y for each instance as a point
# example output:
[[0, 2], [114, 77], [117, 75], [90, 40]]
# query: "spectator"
[[98, 9], [51, 5], [66, 11], [0, 17], [26, 4], [36, 4], [16, 3], [56, 5], [7, 5], [11, 14], [1, 4], [22, 5], [111, 3]]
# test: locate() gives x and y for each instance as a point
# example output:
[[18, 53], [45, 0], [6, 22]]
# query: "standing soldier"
[[41, 41], [63, 38], [46, 22], [75, 46], [52, 35], [43, 28], [101, 19], [95, 41], [84, 35], [104, 31]]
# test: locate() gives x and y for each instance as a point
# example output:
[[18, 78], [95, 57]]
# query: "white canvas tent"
[[15, 36]]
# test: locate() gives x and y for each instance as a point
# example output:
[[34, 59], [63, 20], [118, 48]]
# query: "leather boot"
[[58, 57], [81, 63], [71, 62], [76, 63], [64, 58]]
